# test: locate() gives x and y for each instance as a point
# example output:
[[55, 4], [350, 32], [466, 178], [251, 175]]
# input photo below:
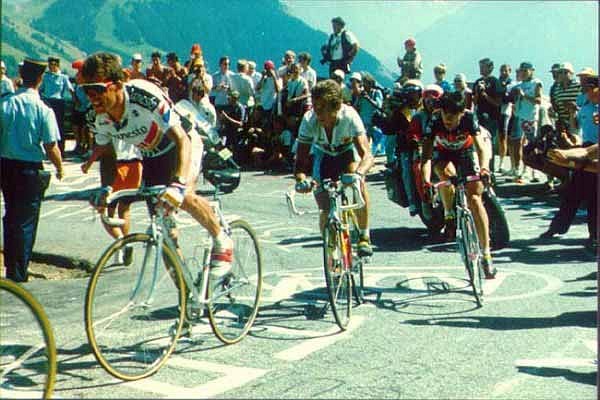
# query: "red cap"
[[77, 64], [410, 42], [195, 49], [269, 64]]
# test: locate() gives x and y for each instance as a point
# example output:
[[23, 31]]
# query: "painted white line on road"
[[556, 362], [592, 345], [304, 333], [308, 347], [58, 209], [233, 377]]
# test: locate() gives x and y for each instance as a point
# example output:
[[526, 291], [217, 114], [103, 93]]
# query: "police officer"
[[28, 132]]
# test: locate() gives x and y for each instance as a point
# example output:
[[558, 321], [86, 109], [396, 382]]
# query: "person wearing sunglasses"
[[140, 113]]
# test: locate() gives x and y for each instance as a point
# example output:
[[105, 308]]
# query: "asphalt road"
[[534, 338]]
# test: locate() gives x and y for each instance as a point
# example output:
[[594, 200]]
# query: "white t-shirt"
[[347, 127], [296, 87], [243, 84], [336, 44], [310, 75], [148, 116], [525, 109], [219, 93], [268, 95]]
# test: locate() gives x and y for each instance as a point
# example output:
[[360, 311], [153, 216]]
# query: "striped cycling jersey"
[[458, 139]]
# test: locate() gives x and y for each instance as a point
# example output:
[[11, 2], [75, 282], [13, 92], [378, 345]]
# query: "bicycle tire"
[[499, 228], [338, 278], [41, 318], [137, 345], [358, 277], [472, 256], [232, 312]]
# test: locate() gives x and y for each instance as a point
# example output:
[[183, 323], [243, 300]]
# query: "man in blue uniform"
[[28, 132]]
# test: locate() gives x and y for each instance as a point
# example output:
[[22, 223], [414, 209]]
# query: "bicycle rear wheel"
[[337, 277], [472, 256], [27, 347], [234, 299], [133, 311]]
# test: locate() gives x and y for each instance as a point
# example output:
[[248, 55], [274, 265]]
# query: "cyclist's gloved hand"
[[98, 199], [427, 192], [304, 186], [484, 174], [174, 194]]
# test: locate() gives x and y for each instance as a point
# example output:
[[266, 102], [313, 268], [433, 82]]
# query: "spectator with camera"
[[368, 101], [221, 85], [411, 65], [487, 97], [198, 72], [341, 47], [583, 184], [439, 72]]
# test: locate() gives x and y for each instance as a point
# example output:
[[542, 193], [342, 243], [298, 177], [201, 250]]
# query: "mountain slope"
[[222, 28]]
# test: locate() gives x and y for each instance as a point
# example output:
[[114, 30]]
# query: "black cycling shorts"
[[160, 170], [464, 161]]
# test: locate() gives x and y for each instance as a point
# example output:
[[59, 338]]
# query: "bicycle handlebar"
[[454, 180], [338, 187], [140, 194]]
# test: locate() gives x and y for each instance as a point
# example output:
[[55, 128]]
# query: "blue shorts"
[[522, 127]]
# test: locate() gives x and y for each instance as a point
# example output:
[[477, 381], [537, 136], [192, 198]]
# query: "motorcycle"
[[218, 166]]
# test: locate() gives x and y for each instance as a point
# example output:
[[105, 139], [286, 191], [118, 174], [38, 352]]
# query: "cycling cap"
[[433, 90], [77, 64]]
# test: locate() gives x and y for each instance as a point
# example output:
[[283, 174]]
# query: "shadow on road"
[[585, 319], [587, 378]]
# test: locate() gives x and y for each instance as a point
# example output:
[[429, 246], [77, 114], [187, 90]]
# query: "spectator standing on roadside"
[[487, 97], [135, 72], [269, 87], [566, 92], [339, 76], [157, 72], [368, 99], [221, 85], [195, 54], [307, 71], [411, 65], [198, 72], [54, 89], [29, 134], [176, 78], [289, 57], [460, 85], [232, 117], [199, 99], [6, 85], [555, 84], [253, 74], [244, 85], [341, 47], [506, 115], [528, 97], [439, 72]]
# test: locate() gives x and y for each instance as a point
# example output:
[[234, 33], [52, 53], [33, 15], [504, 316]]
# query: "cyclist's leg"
[[444, 169], [362, 214]]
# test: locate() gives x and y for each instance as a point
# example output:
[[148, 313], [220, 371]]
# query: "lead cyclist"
[[140, 113], [335, 135]]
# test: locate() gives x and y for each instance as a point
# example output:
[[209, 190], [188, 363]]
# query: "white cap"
[[136, 57], [357, 76], [2, 65], [339, 73]]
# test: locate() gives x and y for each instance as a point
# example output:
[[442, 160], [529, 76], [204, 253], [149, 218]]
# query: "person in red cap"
[[410, 65], [195, 54]]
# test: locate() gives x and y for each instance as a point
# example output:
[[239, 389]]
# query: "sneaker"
[[221, 257], [412, 210], [364, 247], [450, 230], [488, 267]]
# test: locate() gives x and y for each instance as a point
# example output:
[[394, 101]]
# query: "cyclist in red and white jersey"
[[140, 113], [454, 146]]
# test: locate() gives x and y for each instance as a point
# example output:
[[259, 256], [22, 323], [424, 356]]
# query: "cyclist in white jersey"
[[339, 145], [140, 113]]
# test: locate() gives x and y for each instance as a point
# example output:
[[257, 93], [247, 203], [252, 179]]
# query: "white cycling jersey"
[[148, 115]]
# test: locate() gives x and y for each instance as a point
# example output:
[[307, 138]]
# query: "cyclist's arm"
[[302, 166], [182, 142], [427, 153], [364, 151]]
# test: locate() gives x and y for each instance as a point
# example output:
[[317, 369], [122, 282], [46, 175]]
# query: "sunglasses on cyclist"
[[95, 88]]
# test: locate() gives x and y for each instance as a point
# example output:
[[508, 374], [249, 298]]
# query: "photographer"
[[487, 97], [341, 47], [368, 101]]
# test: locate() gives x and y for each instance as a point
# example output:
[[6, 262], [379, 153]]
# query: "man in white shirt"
[[307, 72], [341, 48], [6, 85]]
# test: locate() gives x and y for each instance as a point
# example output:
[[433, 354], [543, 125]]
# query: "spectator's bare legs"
[[516, 153]]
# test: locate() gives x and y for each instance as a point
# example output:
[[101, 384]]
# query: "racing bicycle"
[[136, 309]]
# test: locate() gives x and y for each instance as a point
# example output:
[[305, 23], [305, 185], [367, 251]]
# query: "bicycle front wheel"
[[233, 300], [27, 347], [337, 277], [134, 308], [472, 256]]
